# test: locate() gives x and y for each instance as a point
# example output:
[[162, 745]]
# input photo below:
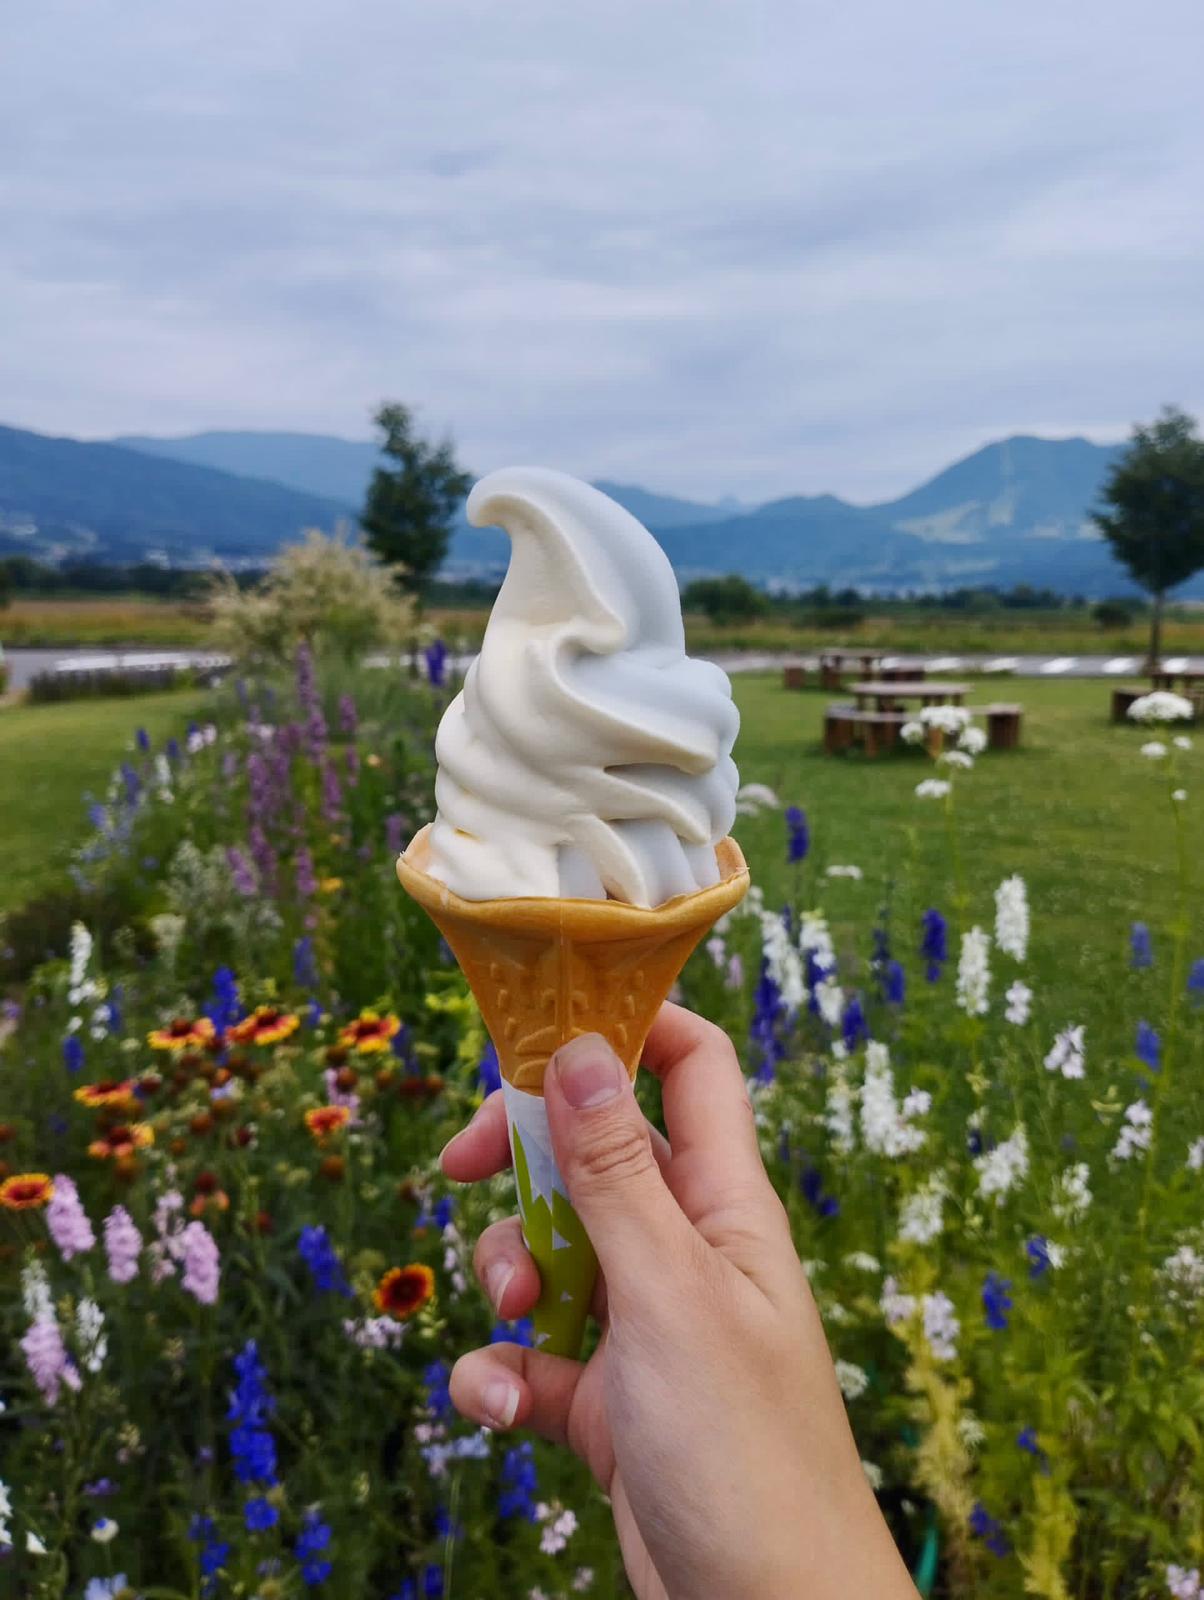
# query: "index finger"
[[705, 1098]]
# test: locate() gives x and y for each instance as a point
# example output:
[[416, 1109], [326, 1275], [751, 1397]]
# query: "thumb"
[[605, 1156]]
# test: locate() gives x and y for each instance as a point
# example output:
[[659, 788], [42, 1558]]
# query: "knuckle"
[[616, 1151]]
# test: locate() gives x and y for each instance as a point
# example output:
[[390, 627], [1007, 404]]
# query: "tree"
[[408, 513], [730, 599], [1154, 518]]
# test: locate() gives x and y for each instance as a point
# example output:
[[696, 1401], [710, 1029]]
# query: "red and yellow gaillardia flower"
[[404, 1290], [325, 1120], [265, 1025], [370, 1031], [109, 1092], [115, 1144], [26, 1191], [182, 1033]]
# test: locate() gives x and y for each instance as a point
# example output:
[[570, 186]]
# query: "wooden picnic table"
[[928, 691], [1161, 679]]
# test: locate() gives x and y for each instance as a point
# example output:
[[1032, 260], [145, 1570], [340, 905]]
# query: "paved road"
[[25, 664]]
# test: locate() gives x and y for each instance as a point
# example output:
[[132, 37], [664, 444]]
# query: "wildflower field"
[[232, 1281]]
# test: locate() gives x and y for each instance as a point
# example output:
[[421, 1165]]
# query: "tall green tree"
[[410, 506], [1154, 516]]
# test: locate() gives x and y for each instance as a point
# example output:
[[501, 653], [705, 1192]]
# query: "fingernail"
[[499, 1403], [588, 1071], [497, 1281]]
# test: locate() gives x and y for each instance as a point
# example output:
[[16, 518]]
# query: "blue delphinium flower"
[[214, 1552], [984, 1526], [224, 1008], [438, 1396], [131, 783], [519, 1483], [113, 1003], [252, 1446], [894, 984], [172, 747], [811, 1184], [305, 964], [1037, 1251], [1149, 1047], [311, 1541], [105, 1588], [798, 834], [934, 943], [432, 1581], [408, 1590], [520, 1332], [73, 1052], [488, 1069], [1141, 947], [1195, 979], [435, 656], [766, 1046], [322, 1259], [853, 1026], [1027, 1440], [996, 1301], [260, 1514], [143, 740]]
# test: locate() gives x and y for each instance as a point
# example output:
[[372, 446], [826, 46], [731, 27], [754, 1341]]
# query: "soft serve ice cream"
[[587, 755]]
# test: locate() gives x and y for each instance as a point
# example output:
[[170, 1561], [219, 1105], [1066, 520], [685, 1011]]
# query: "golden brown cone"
[[544, 971]]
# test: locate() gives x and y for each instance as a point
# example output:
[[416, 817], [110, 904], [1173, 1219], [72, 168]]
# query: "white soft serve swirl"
[[587, 755]]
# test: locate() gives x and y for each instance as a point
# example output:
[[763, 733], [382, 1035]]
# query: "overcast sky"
[[715, 247]]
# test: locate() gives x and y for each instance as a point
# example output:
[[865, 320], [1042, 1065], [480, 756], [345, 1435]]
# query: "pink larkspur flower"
[[67, 1219], [201, 1263], [123, 1245], [48, 1361]]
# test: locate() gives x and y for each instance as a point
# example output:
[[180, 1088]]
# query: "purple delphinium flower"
[[1195, 978], [764, 1035], [394, 828], [996, 1301], [202, 1264], [1026, 1439], [303, 869], [332, 794], [1149, 1047], [305, 964], [310, 702], [1141, 947], [353, 766], [320, 1256], [242, 872], [934, 943], [49, 1364], [123, 1245], [437, 1377], [798, 834], [894, 984], [67, 1220], [264, 857], [435, 657], [853, 1025], [349, 719], [214, 1552], [520, 1484]]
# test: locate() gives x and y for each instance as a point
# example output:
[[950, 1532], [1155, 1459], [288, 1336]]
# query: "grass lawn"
[[49, 757], [1077, 811]]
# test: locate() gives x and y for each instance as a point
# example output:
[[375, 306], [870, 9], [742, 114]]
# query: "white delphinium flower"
[[35, 1292], [932, 789], [1154, 750], [815, 936], [1067, 1055], [6, 1511], [941, 1326], [862, 1261], [916, 1103], [970, 1430], [973, 739], [1011, 917], [1181, 742], [920, 1215], [375, 1333], [883, 1127], [558, 1532], [844, 872], [1000, 1170], [1073, 1194], [782, 959], [974, 973], [90, 1333], [912, 733], [79, 986], [1135, 1133], [949, 719], [839, 1112], [583, 1579], [852, 1379], [896, 1307], [1162, 706], [1019, 1003], [1184, 1274], [163, 776], [716, 948], [829, 997], [873, 1475], [34, 1545], [1195, 1155]]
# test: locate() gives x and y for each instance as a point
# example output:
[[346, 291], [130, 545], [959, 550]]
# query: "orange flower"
[[182, 1034], [265, 1025], [119, 1142], [325, 1120], [404, 1290], [370, 1031], [109, 1092], [330, 885], [25, 1191], [218, 1201]]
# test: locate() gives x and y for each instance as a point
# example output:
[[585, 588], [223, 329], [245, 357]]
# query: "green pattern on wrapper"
[[555, 1236]]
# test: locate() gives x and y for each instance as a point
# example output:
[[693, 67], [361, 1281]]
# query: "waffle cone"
[[545, 970]]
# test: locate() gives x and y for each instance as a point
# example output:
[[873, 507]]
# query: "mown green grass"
[[50, 757], [1077, 811]]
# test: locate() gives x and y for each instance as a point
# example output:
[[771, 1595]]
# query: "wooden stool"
[[829, 676], [794, 678], [1003, 726], [1122, 699], [839, 726]]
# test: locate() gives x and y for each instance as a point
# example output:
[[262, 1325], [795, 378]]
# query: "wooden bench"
[[1003, 725], [794, 677], [1123, 698], [878, 730]]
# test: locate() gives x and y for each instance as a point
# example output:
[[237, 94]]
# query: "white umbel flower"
[[932, 789], [886, 1129], [1161, 706], [1073, 1196], [920, 1215], [973, 740]]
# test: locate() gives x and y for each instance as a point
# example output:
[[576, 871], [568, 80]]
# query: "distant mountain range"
[[1013, 512]]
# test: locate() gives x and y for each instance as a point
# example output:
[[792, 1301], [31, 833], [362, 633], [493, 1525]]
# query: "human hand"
[[709, 1412]]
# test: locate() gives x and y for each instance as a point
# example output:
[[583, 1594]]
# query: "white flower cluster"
[[961, 759], [845, 872], [973, 740], [1019, 1003], [932, 789], [912, 732], [90, 1334], [853, 1380], [6, 1511], [1011, 917], [1153, 750], [35, 1292], [1073, 1196], [815, 937], [941, 1326], [1067, 1055], [199, 738], [1135, 1133], [1195, 1155], [1161, 706], [974, 973], [79, 986], [920, 1215], [1000, 1170], [1183, 1583], [887, 1127], [785, 967], [375, 1333], [1184, 1274], [839, 1117], [559, 1528], [862, 1261], [949, 719]]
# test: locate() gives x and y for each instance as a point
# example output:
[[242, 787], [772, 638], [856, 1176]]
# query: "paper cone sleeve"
[[545, 970]]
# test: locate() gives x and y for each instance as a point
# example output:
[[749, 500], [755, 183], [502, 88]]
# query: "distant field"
[[136, 620], [50, 756]]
